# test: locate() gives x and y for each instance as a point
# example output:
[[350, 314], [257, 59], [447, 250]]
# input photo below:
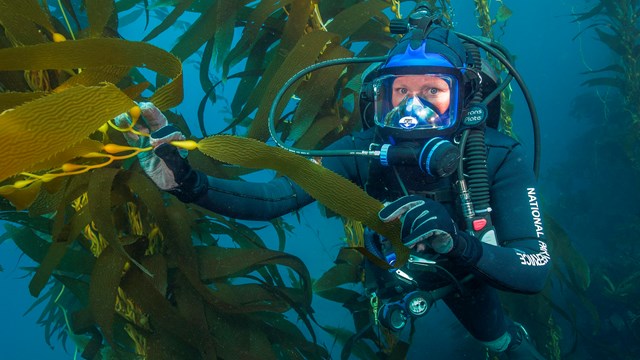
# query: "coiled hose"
[[475, 169]]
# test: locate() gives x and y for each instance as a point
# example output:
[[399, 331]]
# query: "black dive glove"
[[426, 223]]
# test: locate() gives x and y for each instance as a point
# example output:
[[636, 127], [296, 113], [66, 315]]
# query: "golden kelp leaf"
[[82, 147], [305, 53], [9, 100], [19, 20], [94, 76], [88, 53], [35, 131], [98, 12], [21, 198], [332, 190]]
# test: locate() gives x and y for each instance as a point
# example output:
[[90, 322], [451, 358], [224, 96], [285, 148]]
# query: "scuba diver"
[[464, 192]]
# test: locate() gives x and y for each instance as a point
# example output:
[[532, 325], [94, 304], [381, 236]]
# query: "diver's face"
[[431, 88]]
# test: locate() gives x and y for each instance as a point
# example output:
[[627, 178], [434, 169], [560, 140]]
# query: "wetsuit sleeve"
[[265, 201], [521, 262], [253, 201]]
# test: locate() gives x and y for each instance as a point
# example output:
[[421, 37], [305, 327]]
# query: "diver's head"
[[419, 92]]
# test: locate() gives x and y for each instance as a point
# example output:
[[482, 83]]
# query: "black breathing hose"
[[476, 171], [523, 87]]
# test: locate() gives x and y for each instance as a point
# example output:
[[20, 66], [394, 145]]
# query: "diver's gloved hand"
[[165, 165], [426, 223]]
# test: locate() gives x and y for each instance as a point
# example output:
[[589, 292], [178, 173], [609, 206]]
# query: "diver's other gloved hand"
[[426, 222], [165, 165]]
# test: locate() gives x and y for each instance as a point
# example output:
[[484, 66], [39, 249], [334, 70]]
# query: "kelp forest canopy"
[[125, 270]]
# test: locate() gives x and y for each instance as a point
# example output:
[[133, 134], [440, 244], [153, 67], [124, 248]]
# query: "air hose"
[[475, 169]]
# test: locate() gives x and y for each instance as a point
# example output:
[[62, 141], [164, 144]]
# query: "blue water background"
[[539, 33]]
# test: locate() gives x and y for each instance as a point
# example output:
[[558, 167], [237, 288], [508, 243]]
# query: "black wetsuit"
[[519, 264]]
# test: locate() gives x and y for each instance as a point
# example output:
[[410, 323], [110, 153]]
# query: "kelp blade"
[[35, 131], [332, 190], [94, 53]]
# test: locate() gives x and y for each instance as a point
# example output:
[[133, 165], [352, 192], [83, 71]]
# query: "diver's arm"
[[521, 262], [253, 201]]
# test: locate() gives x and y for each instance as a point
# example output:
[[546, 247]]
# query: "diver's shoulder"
[[494, 138]]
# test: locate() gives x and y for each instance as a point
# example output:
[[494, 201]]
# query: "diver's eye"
[[403, 91], [433, 91]]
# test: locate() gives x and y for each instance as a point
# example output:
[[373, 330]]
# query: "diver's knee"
[[514, 344]]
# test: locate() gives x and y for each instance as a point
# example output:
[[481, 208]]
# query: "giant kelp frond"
[[34, 131], [327, 187], [616, 25]]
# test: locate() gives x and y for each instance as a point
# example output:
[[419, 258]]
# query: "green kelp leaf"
[[316, 91], [317, 131], [254, 297], [354, 17], [613, 82], [169, 20], [130, 18], [255, 67], [615, 68], [288, 340], [99, 205], [281, 228], [103, 289], [250, 31], [227, 12], [68, 7], [53, 123], [202, 30], [164, 316], [329, 188], [36, 248], [504, 13], [359, 349], [292, 36], [576, 265], [78, 287], [216, 263], [206, 84], [591, 13], [77, 261], [305, 53], [339, 274], [98, 12], [613, 41]]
